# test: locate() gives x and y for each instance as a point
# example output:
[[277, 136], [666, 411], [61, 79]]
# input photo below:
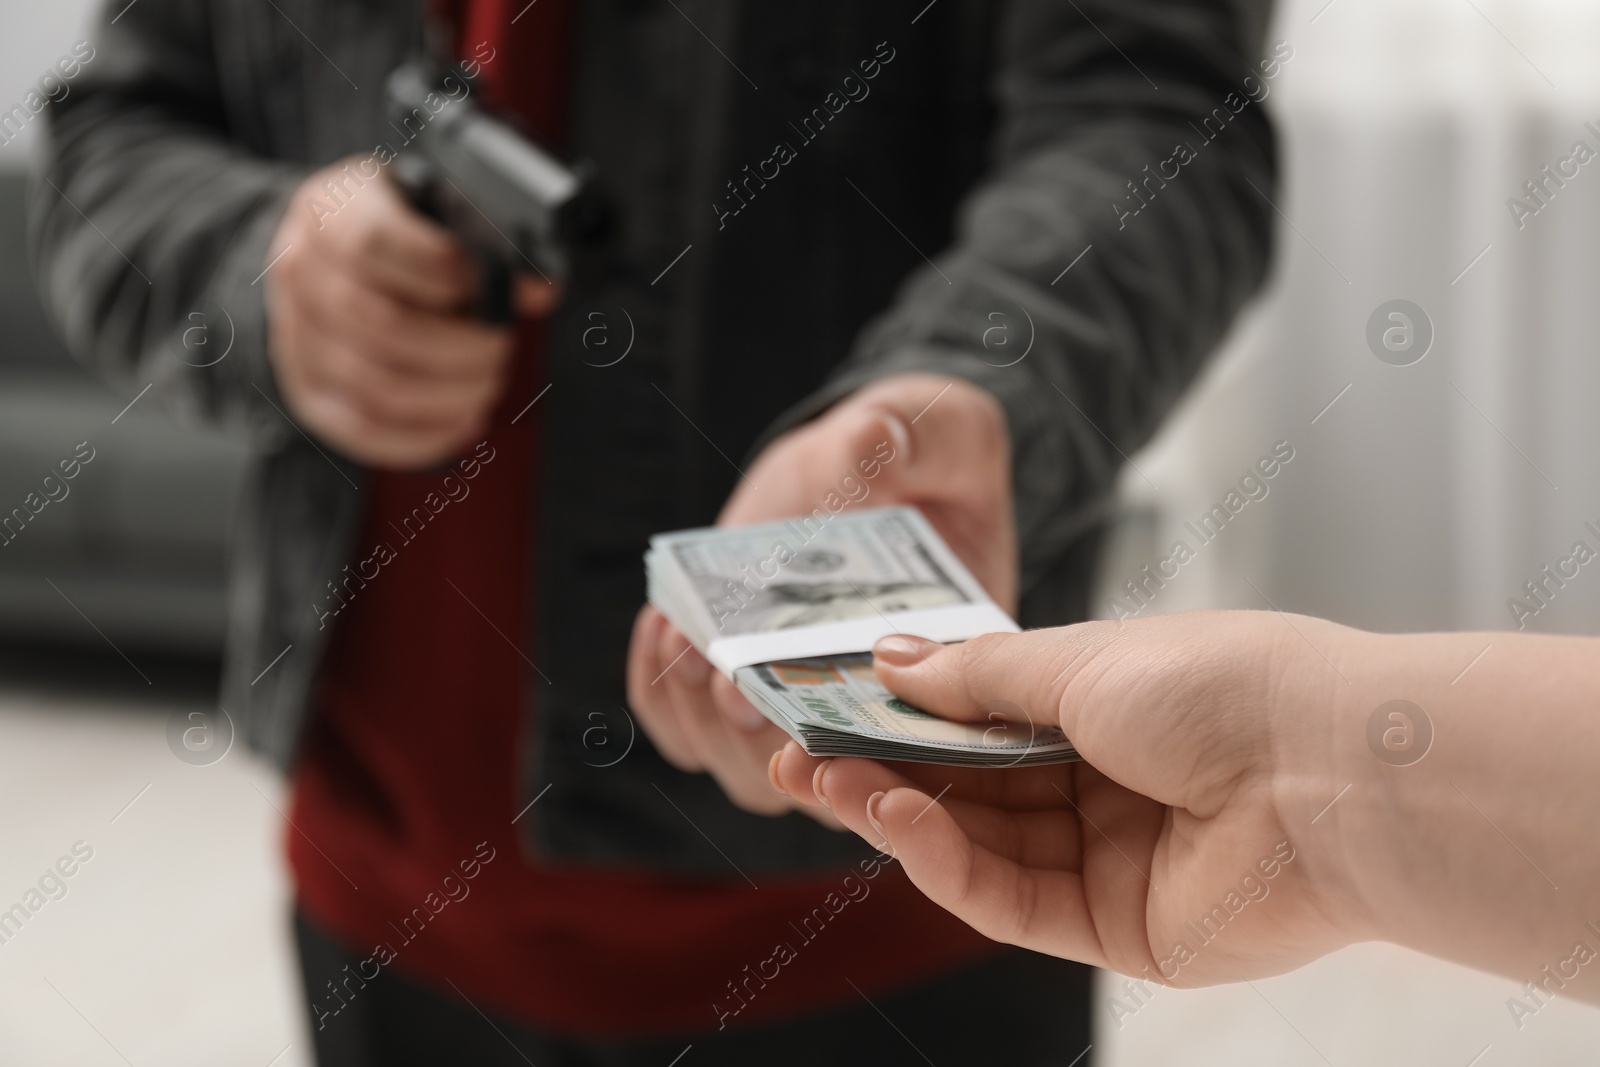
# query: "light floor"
[[170, 948]]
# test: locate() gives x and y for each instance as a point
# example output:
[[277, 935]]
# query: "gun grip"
[[494, 293]]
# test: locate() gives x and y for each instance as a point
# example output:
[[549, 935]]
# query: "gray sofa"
[[138, 538]]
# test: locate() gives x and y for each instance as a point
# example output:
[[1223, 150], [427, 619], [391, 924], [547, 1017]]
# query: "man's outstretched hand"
[[935, 442]]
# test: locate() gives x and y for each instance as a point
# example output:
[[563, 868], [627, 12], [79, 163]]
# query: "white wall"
[[1407, 124], [1428, 494], [36, 34]]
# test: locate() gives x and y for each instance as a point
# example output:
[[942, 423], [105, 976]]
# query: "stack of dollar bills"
[[790, 610]]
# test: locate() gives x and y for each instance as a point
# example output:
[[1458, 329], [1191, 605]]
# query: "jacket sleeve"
[[151, 220], [1120, 257]]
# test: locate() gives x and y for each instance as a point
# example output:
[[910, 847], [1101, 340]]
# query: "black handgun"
[[515, 206]]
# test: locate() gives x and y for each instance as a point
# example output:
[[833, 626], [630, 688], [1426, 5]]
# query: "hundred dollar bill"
[[814, 586], [835, 706], [788, 610]]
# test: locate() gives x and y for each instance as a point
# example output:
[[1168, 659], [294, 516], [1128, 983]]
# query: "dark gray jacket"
[[999, 138]]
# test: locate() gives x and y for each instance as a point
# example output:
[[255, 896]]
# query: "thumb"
[[1019, 677], [944, 447], [840, 460], [962, 681], [873, 439], [1153, 705], [939, 438]]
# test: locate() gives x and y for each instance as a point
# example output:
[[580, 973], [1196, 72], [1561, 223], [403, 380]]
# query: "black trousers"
[[1020, 1010]]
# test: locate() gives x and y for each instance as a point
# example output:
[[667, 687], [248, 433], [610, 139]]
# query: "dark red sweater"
[[403, 844]]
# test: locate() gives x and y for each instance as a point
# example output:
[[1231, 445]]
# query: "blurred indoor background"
[[1419, 497]]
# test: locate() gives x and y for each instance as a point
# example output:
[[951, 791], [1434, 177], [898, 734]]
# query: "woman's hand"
[[1175, 850], [1259, 789]]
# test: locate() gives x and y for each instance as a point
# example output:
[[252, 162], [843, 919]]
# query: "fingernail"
[[816, 783], [901, 434], [872, 814], [904, 650], [772, 772]]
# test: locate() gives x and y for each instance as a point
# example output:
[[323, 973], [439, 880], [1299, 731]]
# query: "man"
[[438, 568]]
